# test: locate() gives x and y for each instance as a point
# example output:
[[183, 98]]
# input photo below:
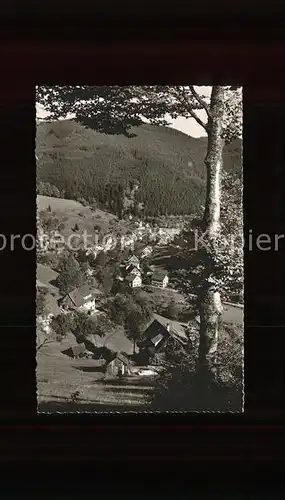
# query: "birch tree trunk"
[[210, 306]]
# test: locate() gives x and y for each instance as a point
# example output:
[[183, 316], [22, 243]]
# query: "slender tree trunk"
[[210, 304], [213, 162], [210, 310]]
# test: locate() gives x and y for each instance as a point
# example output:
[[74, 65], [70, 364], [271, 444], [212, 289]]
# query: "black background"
[[123, 44]]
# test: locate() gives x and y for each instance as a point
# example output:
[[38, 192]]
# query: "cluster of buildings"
[[132, 274], [81, 299], [159, 333]]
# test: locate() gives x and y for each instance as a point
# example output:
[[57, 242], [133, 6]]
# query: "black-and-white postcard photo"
[[139, 284]]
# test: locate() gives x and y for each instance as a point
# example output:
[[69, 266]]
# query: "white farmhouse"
[[134, 280], [160, 278], [133, 270], [81, 299]]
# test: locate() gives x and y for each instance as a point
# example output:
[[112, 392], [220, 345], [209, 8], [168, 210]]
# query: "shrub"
[[61, 324], [103, 325], [74, 396], [83, 325], [41, 301], [70, 276], [51, 222], [83, 202], [47, 189], [172, 311], [181, 388]]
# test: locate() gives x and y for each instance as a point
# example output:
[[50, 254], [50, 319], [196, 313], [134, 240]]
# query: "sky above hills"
[[187, 125]]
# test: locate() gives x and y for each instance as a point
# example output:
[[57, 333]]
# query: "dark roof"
[[84, 290], [154, 329], [121, 357], [131, 277], [176, 328], [158, 325], [87, 289], [133, 258], [159, 274], [67, 301], [75, 349], [76, 298], [132, 267]]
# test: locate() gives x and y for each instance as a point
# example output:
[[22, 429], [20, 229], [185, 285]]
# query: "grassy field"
[[46, 276], [60, 377], [57, 204], [71, 213]]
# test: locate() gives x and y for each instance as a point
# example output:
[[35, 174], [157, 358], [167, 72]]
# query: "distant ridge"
[[168, 164]]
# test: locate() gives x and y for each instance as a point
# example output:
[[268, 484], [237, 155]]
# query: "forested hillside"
[[167, 165]]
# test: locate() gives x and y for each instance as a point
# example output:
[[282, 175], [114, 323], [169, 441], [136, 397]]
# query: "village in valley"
[[119, 353], [115, 319], [113, 353]]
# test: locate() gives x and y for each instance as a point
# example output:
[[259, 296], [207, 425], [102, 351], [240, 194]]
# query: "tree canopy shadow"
[[95, 369]]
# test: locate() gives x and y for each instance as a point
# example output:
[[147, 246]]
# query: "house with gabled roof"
[[158, 332], [133, 270], [119, 365], [134, 280], [132, 260], [160, 278], [80, 299]]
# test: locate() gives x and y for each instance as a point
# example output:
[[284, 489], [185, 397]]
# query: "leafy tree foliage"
[[70, 277], [103, 325], [62, 324], [41, 301], [118, 308], [83, 325], [221, 261], [180, 389], [130, 311], [172, 311], [47, 189], [135, 320], [109, 109]]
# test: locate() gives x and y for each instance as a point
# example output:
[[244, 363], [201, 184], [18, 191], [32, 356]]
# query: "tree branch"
[[198, 120], [190, 110], [200, 100], [46, 341]]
